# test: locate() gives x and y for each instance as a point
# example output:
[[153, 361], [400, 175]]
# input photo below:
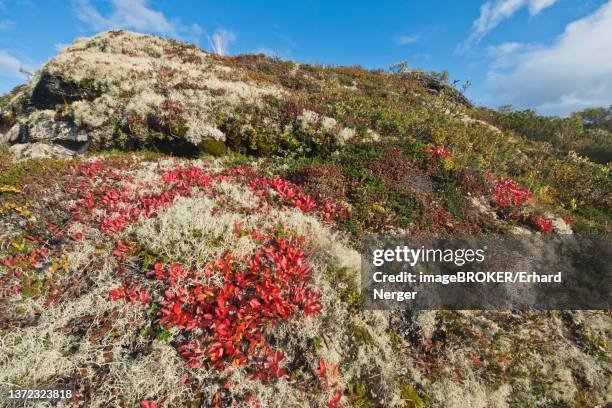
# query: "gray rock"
[[47, 129], [11, 135], [21, 151]]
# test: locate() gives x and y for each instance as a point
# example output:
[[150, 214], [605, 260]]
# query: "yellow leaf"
[[9, 189], [378, 208]]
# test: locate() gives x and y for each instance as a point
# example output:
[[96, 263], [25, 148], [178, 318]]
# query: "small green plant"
[[411, 397]]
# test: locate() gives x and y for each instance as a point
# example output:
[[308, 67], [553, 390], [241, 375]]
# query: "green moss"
[[360, 335], [213, 147], [86, 82], [31, 287], [395, 339], [15, 174], [361, 395], [259, 131], [4, 152], [175, 128], [591, 219], [344, 278], [354, 298], [406, 207], [148, 259], [142, 154], [233, 159], [411, 397]]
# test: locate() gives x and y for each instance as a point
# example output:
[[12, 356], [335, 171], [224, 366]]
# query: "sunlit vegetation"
[[200, 250]]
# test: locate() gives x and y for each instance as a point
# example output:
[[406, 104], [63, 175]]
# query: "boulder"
[[44, 128], [21, 151]]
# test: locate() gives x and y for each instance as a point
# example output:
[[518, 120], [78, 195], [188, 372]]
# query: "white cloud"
[[572, 74], [536, 6], [407, 39], [503, 49], [493, 12], [126, 14], [10, 66], [221, 40], [504, 55]]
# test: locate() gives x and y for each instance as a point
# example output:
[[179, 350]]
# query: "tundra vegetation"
[[182, 229]]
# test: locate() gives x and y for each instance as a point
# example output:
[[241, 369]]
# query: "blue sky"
[[551, 55]]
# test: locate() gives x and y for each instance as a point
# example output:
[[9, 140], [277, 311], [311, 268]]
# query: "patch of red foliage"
[[173, 107], [226, 311], [329, 376], [542, 224], [130, 293], [114, 206], [23, 263], [507, 193], [291, 194], [435, 151], [235, 318], [27, 259]]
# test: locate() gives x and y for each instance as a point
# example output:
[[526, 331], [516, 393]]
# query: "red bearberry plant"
[[508, 197], [234, 320]]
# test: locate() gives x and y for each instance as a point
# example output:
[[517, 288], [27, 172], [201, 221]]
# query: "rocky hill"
[[148, 189]]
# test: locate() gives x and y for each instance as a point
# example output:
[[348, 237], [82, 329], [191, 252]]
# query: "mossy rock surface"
[[213, 147]]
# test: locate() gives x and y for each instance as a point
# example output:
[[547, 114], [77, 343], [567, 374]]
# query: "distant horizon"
[[547, 55]]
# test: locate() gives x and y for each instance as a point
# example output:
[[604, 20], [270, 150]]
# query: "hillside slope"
[[148, 189]]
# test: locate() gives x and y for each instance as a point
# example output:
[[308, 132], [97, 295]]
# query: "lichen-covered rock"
[[21, 151], [44, 126], [130, 90], [11, 135], [561, 227]]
